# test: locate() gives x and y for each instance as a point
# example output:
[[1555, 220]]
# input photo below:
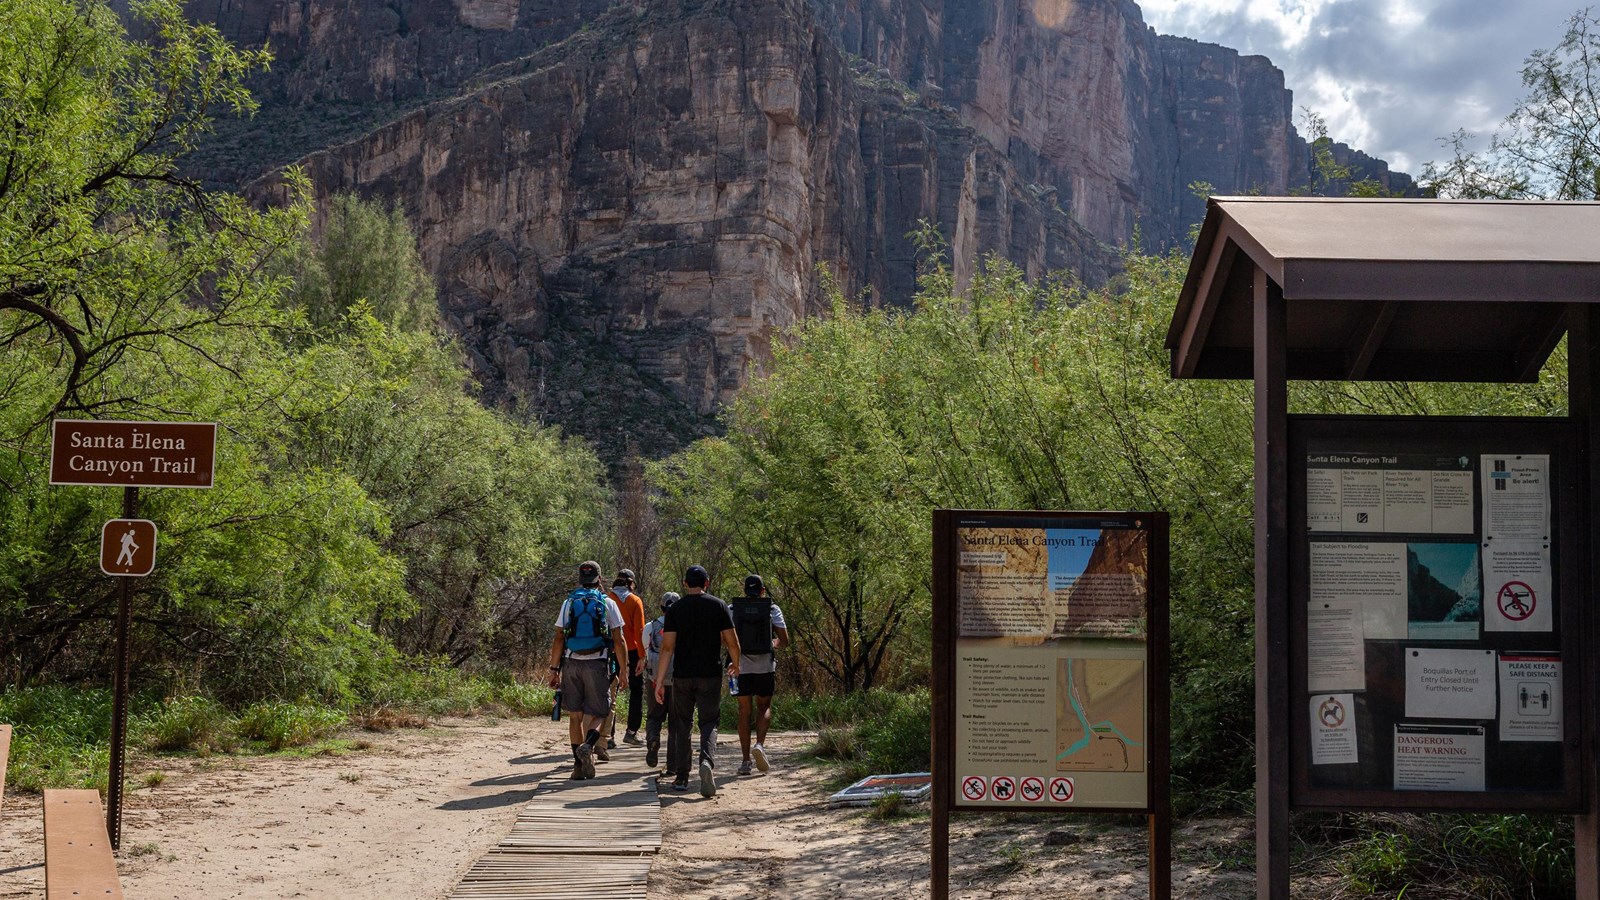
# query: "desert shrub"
[[282, 725], [188, 723]]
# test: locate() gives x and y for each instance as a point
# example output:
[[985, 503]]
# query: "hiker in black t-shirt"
[[697, 629]]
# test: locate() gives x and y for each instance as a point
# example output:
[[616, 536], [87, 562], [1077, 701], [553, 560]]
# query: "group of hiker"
[[602, 641]]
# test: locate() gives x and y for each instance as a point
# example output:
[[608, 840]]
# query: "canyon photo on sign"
[[132, 454]]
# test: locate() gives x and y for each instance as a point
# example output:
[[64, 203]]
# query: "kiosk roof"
[[1404, 290]]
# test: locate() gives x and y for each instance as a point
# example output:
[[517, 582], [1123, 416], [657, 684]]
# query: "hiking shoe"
[[585, 761], [632, 737], [600, 752], [652, 753], [744, 767], [681, 783], [760, 753], [611, 743], [708, 779], [577, 773]]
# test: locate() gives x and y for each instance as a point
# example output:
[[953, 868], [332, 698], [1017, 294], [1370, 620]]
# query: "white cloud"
[[1389, 77]]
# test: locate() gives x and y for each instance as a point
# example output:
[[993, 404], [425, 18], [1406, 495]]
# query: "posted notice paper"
[[1516, 586], [1438, 757], [1376, 492], [1516, 497], [1449, 684], [1333, 729], [1336, 658], [1530, 697], [1372, 573]]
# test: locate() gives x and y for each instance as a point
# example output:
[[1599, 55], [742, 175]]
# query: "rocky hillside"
[[625, 201]]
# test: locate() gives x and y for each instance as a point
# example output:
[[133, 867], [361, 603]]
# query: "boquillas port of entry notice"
[[1052, 693]]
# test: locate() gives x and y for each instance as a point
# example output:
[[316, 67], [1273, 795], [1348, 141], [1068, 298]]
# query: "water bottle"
[[733, 685], [555, 711]]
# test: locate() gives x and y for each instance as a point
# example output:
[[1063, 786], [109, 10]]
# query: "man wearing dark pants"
[[697, 629], [633, 673], [658, 709]]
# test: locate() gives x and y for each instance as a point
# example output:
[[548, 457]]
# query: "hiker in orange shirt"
[[633, 633]]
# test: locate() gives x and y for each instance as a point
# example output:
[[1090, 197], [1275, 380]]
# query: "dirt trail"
[[405, 818]]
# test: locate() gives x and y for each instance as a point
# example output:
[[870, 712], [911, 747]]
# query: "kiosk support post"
[[119, 691], [1272, 588], [1583, 328]]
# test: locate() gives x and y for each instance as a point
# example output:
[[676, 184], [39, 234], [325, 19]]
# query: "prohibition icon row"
[[1030, 788]]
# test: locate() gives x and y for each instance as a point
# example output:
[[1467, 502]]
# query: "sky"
[[1390, 77]]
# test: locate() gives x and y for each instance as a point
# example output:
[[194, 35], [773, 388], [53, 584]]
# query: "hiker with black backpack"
[[588, 637], [696, 629], [762, 632]]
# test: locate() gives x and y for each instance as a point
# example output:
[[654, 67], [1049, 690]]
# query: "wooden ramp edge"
[[77, 852], [5, 754], [577, 840]]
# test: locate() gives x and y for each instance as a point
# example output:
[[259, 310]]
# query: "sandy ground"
[[407, 816], [773, 836]]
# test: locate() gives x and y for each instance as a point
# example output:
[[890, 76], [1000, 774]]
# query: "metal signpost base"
[[119, 695]]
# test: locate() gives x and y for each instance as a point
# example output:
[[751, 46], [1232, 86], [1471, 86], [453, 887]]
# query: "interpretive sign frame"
[[1450, 737], [1019, 656]]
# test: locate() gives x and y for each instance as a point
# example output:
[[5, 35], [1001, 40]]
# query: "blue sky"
[[1389, 76]]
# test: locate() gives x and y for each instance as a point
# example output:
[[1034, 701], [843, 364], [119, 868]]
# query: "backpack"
[[586, 629], [752, 620]]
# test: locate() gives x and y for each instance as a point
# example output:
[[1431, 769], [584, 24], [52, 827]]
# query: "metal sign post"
[[129, 455]]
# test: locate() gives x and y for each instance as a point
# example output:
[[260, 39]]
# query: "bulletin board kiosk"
[[1420, 580]]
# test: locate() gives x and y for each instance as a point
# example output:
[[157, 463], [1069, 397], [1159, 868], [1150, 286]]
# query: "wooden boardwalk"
[[577, 839]]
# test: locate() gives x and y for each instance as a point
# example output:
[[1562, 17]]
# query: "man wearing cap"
[[653, 634], [696, 630], [588, 634], [632, 607], [762, 632]]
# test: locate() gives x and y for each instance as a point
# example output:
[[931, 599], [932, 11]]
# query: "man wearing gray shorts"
[[588, 631]]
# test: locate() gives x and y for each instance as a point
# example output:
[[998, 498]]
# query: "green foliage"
[[1380, 861], [901, 740], [281, 725], [60, 739], [106, 253], [894, 737], [188, 723], [1026, 396], [1517, 857], [366, 258]]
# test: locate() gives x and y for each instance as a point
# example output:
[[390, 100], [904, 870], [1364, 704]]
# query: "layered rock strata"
[[625, 202]]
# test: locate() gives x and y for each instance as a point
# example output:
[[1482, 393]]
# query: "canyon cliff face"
[[624, 203]]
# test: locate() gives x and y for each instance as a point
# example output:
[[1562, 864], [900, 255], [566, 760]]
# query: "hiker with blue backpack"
[[588, 637]]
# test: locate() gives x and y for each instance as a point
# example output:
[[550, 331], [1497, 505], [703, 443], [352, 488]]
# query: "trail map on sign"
[[1100, 715]]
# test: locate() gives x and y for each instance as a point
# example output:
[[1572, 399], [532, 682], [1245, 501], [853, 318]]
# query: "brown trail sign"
[[132, 454], [128, 547], [129, 455]]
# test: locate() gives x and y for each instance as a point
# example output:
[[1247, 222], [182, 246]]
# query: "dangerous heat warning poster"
[[1052, 696]]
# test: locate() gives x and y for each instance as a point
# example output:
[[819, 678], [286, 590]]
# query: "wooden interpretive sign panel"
[[1435, 633], [132, 454], [1058, 659]]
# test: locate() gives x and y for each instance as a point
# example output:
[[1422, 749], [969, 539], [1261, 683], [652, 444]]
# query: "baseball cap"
[[589, 573], [625, 575], [669, 598], [753, 585], [696, 576]]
